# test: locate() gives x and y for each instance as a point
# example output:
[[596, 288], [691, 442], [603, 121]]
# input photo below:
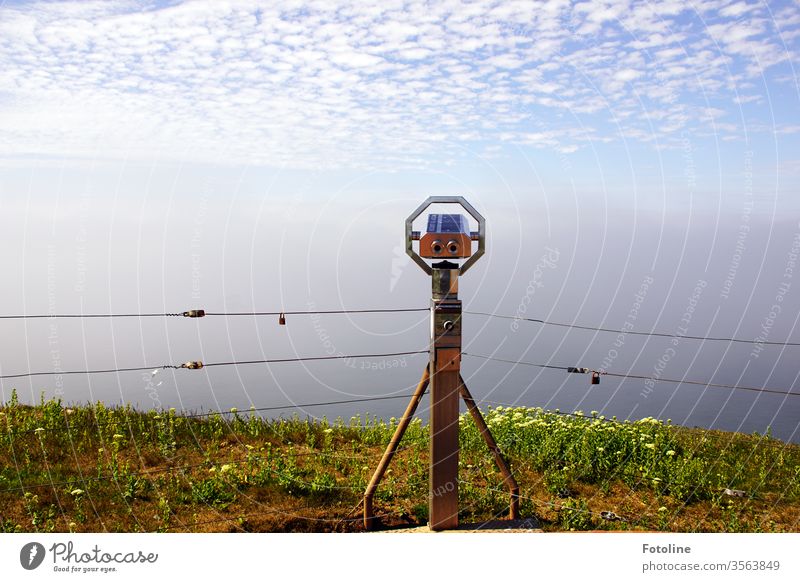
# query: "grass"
[[95, 468]]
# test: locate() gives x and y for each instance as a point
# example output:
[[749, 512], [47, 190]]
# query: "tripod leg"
[[501, 463], [369, 519]]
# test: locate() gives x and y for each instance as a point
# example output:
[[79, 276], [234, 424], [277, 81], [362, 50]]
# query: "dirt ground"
[[528, 525]]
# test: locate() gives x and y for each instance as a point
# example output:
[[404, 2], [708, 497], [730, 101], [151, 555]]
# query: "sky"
[[160, 156]]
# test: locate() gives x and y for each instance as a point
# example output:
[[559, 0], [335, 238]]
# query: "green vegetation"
[[94, 468]]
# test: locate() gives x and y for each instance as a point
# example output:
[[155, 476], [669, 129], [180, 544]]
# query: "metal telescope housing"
[[447, 236]]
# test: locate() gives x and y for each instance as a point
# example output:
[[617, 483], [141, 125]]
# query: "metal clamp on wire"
[[195, 313], [193, 365]]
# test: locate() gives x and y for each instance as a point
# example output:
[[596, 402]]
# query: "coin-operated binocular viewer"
[[452, 228], [446, 239]]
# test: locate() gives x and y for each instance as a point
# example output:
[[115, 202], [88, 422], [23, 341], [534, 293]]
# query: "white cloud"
[[626, 75], [737, 9], [787, 129], [348, 84]]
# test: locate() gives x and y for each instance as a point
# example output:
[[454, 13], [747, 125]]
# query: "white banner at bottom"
[[400, 556]]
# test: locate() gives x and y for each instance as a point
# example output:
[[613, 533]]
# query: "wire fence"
[[571, 369], [652, 333], [199, 365], [11, 434], [197, 313]]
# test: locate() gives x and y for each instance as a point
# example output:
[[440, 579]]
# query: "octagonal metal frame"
[[446, 200]]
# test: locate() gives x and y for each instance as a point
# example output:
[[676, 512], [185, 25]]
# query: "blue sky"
[[400, 85]]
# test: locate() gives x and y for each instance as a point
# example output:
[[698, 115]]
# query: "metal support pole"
[[499, 460], [388, 455], [445, 373]]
